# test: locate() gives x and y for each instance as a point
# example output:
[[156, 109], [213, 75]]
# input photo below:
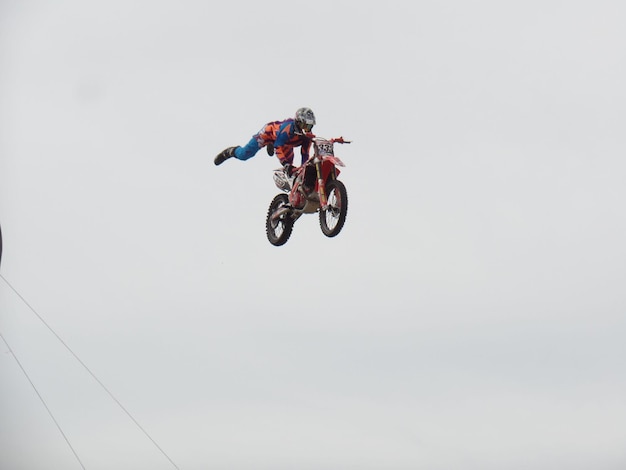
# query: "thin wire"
[[43, 401], [91, 373]]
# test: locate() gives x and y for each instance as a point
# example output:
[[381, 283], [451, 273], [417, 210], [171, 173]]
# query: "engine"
[[297, 199]]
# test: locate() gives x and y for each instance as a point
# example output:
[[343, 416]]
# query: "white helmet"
[[305, 120]]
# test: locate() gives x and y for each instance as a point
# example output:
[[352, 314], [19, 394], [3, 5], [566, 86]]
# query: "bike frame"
[[326, 167]]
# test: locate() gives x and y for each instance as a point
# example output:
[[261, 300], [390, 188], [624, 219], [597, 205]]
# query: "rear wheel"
[[278, 226], [333, 218]]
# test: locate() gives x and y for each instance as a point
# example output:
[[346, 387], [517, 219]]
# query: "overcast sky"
[[471, 314]]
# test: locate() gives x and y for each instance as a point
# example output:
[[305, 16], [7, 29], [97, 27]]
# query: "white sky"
[[471, 315]]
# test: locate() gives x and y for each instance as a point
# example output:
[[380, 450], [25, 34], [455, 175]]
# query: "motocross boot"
[[225, 155]]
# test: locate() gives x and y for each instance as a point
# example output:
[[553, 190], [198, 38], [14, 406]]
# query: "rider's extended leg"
[[247, 151]]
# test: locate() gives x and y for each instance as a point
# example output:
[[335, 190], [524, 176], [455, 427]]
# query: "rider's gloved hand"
[[289, 169]]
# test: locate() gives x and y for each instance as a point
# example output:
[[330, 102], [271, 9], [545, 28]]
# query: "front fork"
[[320, 185]]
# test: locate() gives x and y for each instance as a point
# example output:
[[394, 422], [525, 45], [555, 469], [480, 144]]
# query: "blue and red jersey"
[[282, 134]]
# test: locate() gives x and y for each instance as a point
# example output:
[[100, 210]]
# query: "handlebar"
[[334, 140]]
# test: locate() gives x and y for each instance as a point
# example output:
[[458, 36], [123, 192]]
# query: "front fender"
[[328, 166], [334, 160]]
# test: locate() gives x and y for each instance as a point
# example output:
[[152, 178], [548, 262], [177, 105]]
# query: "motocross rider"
[[280, 137]]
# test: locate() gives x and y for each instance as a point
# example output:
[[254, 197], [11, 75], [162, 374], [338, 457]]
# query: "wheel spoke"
[[279, 228], [333, 211], [333, 218]]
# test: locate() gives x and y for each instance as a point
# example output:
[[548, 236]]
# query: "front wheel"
[[279, 224], [333, 218]]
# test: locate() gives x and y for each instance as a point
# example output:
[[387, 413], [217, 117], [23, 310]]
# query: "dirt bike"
[[313, 187]]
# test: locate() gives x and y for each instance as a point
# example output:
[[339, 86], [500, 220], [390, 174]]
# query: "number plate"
[[325, 149]]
